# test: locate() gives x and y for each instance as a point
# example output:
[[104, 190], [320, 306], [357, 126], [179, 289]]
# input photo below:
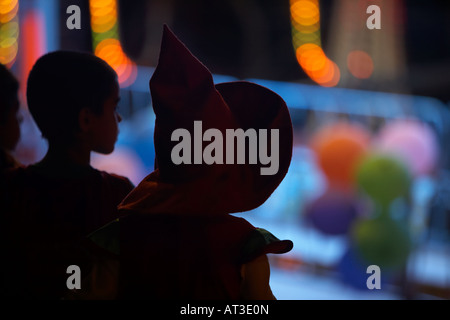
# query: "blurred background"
[[369, 182]]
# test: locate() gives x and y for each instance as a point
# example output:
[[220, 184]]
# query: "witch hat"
[[183, 92]]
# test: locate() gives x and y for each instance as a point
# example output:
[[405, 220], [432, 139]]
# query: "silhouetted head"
[[9, 107], [72, 96], [184, 95]]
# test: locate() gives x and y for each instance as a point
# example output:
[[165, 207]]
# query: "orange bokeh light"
[[332, 77], [7, 6], [360, 64], [311, 57], [111, 51], [9, 32], [101, 3], [317, 66], [104, 18], [305, 19], [8, 11], [305, 12]]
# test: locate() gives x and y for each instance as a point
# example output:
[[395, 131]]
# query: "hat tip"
[[166, 29], [169, 35]]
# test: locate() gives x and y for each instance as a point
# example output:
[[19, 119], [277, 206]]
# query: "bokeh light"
[[384, 179], [305, 19], [382, 241], [107, 46], [360, 64], [9, 31], [339, 148], [413, 142], [306, 13], [33, 42], [333, 213]]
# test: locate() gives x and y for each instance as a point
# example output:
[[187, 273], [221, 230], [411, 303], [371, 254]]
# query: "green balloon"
[[383, 178], [382, 241]]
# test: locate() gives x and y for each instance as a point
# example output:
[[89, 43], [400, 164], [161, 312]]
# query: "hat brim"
[[262, 242], [257, 107]]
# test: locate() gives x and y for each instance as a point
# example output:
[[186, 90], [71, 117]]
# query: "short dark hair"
[[60, 85], [8, 92]]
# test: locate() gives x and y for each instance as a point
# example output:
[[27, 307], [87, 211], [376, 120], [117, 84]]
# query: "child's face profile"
[[105, 129], [10, 129]]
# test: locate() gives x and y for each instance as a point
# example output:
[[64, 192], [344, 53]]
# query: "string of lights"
[[305, 20], [9, 32], [106, 42]]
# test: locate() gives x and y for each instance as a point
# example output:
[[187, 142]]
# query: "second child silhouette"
[[9, 119]]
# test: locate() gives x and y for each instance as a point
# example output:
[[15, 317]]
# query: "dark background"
[[252, 38]]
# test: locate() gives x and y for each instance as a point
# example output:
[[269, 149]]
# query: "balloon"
[[332, 213], [381, 241], [383, 178], [352, 270], [339, 147], [412, 141]]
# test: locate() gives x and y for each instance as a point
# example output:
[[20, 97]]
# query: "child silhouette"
[[178, 239], [52, 205], [9, 118]]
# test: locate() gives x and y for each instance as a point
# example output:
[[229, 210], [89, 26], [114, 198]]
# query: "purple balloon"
[[333, 213], [352, 269]]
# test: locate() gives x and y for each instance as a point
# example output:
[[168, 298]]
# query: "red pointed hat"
[[183, 91]]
